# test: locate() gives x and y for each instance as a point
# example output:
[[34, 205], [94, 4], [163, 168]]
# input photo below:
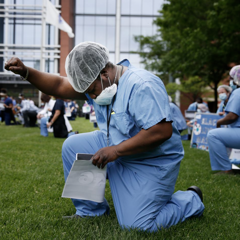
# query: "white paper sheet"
[[85, 181]]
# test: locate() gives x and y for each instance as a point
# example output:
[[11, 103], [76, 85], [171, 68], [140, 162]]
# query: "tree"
[[192, 85], [195, 38]]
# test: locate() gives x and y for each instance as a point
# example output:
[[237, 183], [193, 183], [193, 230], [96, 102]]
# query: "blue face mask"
[[223, 96], [233, 86]]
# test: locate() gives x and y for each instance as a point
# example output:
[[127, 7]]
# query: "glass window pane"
[[136, 7], [89, 21], [18, 34], [79, 6], [124, 42], [101, 35], [124, 56], [147, 21], [37, 29], [89, 33], [147, 7], [79, 37], [30, 2], [134, 31], [89, 6], [111, 6], [79, 21], [101, 21], [135, 21], [157, 6], [135, 60], [125, 21], [112, 57], [125, 6], [101, 6], [110, 38], [111, 21]]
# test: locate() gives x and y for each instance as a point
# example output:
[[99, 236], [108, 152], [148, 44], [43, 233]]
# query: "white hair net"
[[202, 107], [226, 87], [235, 74], [84, 63]]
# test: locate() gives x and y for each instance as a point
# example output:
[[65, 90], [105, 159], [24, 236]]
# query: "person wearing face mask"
[[220, 139], [137, 142], [223, 92]]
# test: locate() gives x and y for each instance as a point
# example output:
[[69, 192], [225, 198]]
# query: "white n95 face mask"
[[106, 96]]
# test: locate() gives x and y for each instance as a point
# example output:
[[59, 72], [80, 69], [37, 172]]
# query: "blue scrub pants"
[[7, 118], [139, 201], [43, 126], [219, 140]]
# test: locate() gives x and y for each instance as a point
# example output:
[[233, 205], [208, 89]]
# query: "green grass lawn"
[[31, 207]]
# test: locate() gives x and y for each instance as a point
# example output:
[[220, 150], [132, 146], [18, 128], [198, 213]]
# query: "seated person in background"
[[70, 108], [224, 92], [28, 111], [76, 108], [220, 139], [193, 106], [8, 105], [57, 121], [45, 113], [48, 106], [177, 116]]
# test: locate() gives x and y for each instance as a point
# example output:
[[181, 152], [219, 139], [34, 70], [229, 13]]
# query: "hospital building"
[[25, 32]]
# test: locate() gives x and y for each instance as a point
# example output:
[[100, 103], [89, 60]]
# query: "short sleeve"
[[149, 104], [59, 105], [233, 103]]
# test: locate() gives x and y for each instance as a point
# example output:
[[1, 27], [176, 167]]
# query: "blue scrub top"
[[221, 107], [178, 118], [233, 105], [141, 102], [192, 107], [8, 101]]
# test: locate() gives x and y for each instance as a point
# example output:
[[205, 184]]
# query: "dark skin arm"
[[228, 119], [10, 105], [55, 117], [48, 83], [145, 140]]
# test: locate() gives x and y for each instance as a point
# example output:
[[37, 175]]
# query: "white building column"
[[118, 29], [177, 94]]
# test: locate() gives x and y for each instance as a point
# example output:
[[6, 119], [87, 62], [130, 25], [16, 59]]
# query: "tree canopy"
[[194, 39]]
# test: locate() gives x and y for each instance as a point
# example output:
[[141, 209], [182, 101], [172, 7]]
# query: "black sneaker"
[[196, 190]]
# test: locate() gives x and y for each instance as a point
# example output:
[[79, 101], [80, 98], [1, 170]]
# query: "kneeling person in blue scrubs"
[[137, 142]]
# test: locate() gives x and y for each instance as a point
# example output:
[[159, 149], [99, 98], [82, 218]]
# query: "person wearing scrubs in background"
[[137, 142], [194, 106], [220, 139], [177, 116], [224, 92]]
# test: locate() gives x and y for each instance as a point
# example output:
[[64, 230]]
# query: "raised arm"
[[48, 83]]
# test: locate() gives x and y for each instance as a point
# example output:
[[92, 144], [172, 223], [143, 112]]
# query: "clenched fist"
[[16, 66]]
